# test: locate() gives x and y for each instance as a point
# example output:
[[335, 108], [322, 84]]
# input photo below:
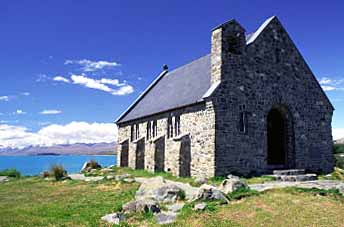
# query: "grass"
[[32, 201], [10, 173], [35, 202]]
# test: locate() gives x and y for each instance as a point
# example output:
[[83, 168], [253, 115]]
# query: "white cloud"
[[90, 66], [19, 112], [4, 98], [50, 112], [337, 133], [74, 132], [328, 88], [111, 81], [61, 78], [26, 93], [329, 84], [90, 83], [123, 89]]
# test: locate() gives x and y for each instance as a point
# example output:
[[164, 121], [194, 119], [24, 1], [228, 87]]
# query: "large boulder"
[[165, 218], [114, 218], [143, 205], [157, 189], [232, 184], [209, 192], [89, 166]]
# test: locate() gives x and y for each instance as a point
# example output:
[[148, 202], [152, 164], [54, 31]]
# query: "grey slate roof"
[[181, 87]]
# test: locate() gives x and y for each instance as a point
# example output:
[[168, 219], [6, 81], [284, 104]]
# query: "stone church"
[[249, 107]]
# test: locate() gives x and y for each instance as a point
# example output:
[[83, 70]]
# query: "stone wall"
[[197, 125], [269, 73]]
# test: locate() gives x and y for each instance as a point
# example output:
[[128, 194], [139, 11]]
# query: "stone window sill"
[[180, 137]]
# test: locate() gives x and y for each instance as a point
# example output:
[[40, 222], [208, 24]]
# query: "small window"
[[132, 137], [243, 120], [177, 126], [169, 127], [137, 131], [149, 130], [277, 55], [155, 128]]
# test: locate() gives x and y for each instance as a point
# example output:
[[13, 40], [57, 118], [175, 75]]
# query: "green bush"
[[338, 148], [58, 172], [10, 173], [339, 161], [93, 164]]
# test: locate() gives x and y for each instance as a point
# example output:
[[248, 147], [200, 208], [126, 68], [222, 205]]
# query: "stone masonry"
[[266, 99]]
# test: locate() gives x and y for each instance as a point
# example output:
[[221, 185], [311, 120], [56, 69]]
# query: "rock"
[[209, 192], [230, 176], [164, 191], [110, 177], [200, 206], [201, 180], [78, 176], [114, 218], [144, 205], [90, 165], [3, 179], [231, 185], [175, 207], [106, 170], [190, 191], [129, 180], [121, 177], [169, 193], [165, 218]]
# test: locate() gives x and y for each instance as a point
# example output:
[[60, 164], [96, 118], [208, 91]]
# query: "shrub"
[[10, 173], [338, 148], [339, 161], [58, 172], [94, 164], [45, 174]]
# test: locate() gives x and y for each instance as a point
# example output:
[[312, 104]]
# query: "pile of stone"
[[156, 191], [293, 175], [90, 166]]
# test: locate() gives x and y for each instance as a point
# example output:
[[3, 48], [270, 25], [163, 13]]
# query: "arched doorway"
[[280, 138]]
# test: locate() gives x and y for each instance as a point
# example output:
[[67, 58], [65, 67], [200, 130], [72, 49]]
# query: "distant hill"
[[339, 141], [63, 149]]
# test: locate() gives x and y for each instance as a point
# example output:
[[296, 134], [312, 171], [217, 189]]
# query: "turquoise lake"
[[34, 165]]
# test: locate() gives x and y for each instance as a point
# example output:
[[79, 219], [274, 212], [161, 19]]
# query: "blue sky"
[[125, 43]]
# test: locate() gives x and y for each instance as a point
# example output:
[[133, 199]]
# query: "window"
[[243, 120], [169, 127], [155, 128], [176, 125], [137, 131], [149, 130], [277, 55], [132, 137], [173, 126]]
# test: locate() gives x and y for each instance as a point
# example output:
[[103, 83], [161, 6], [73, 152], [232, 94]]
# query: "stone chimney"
[[227, 41]]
